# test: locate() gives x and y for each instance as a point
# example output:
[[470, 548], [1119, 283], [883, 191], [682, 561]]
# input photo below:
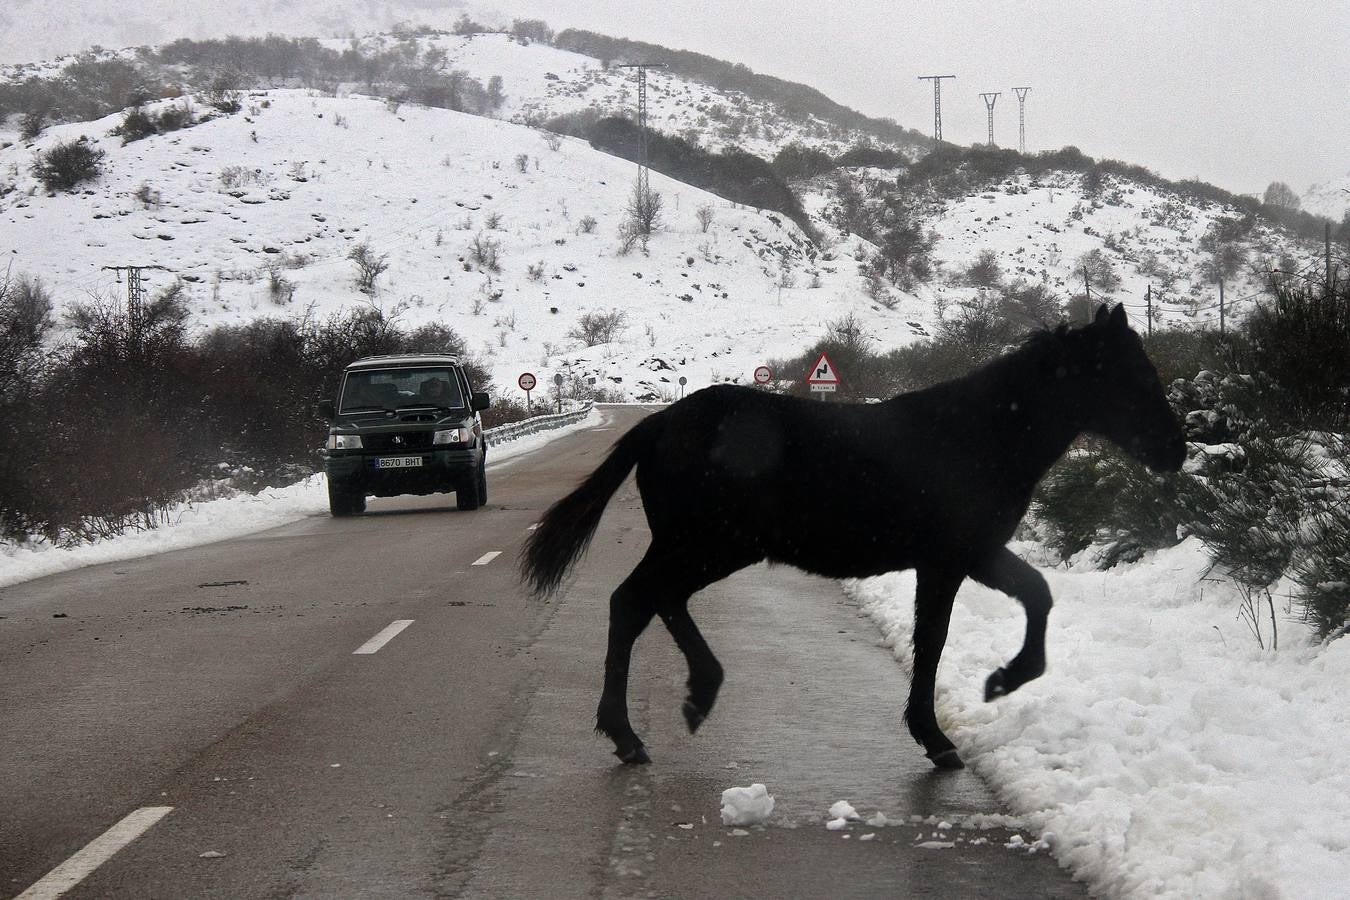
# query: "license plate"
[[398, 462]]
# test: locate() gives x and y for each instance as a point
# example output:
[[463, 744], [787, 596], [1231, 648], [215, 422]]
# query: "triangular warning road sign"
[[822, 372]]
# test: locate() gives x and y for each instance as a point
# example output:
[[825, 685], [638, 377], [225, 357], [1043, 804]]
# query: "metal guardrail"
[[512, 430]]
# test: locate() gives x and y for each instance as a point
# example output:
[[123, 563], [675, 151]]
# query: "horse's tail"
[[570, 523]]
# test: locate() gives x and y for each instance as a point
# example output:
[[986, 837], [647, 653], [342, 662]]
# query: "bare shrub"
[[235, 177], [985, 272], [369, 266], [535, 272], [704, 214], [1100, 271], [67, 164], [599, 327], [493, 222], [147, 196], [280, 289], [25, 321], [522, 162], [642, 216], [586, 225], [486, 253]]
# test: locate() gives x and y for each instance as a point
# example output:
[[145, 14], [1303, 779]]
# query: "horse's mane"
[[1037, 344]]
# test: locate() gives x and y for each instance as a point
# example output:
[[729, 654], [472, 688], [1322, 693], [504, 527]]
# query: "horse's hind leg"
[[932, 612], [1004, 571], [631, 607], [705, 672]]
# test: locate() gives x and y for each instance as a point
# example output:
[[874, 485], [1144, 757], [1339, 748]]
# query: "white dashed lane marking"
[[487, 558], [387, 634], [95, 853]]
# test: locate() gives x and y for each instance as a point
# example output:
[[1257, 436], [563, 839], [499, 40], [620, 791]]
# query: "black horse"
[[935, 480]]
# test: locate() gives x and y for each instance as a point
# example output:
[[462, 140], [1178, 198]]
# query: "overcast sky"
[[1239, 93]]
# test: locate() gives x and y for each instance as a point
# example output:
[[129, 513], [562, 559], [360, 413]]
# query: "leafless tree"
[[369, 266]]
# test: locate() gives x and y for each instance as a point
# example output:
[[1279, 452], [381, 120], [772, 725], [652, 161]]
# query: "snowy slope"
[[542, 82], [39, 29], [1330, 199], [325, 174], [1040, 227]]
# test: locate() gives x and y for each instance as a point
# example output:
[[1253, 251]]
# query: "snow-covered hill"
[[40, 29], [246, 206], [1041, 228], [294, 181], [1330, 198], [542, 82]]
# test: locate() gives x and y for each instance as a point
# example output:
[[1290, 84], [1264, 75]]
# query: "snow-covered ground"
[[293, 182], [1040, 228], [194, 524], [1330, 198], [37, 29], [541, 82], [1163, 754]]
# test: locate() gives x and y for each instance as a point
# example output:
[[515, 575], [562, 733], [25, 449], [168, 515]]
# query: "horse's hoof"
[[947, 759], [693, 716], [634, 757], [996, 685]]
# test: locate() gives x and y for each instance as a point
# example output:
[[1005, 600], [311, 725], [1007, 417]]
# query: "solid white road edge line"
[[95, 853], [486, 558], [387, 634]]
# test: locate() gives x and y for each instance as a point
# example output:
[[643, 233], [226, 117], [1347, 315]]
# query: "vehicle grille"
[[394, 442]]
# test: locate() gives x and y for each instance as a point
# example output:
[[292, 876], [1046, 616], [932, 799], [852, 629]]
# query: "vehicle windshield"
[[400, 388]]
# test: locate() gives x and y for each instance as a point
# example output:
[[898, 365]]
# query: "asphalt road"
[[458, 760]]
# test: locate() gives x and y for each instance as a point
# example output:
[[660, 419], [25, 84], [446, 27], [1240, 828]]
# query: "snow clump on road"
[[746, 805]]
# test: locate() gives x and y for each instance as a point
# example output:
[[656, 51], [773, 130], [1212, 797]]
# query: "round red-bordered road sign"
[[527, 381], [763, 375]]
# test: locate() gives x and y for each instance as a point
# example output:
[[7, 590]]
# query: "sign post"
[[683, 382], [763, 375], [823, 377], [527, 382], [557, 381]]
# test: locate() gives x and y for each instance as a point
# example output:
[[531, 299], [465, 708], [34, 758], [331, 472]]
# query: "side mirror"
[[327, 410], [478, 401]]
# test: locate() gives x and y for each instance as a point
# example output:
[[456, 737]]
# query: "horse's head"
[[1124, 401]]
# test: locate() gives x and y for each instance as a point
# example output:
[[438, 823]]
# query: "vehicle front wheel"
[[466, 495], [343, 502]]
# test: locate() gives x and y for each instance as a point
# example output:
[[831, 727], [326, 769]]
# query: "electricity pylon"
[[937, 102]]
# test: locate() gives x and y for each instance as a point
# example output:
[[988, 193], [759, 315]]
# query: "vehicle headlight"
[[452, 436], [344, 442]]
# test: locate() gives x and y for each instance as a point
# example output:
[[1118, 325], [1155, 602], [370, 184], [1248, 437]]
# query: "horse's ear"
[[1118, 317], [1102, 314]]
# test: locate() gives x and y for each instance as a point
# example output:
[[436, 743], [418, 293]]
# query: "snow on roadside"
[[192, 525], [1168, 754]]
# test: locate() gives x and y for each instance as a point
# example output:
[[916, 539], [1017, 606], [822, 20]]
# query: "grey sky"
[[1239, 93]]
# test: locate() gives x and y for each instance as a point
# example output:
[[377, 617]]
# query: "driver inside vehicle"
[[435, 390]]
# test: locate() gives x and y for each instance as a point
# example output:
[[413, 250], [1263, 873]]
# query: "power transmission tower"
[[1021, 118], [642, 113], [135, 296], [989, 101], [937, 102]]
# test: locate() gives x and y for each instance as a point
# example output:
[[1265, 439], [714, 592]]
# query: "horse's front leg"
[[1004, 571], [932, 612]]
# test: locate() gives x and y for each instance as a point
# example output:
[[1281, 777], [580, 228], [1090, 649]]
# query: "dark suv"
[[404, 424]]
